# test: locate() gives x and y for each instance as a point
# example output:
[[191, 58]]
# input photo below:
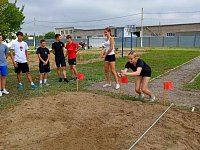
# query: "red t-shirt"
[[71, 49]]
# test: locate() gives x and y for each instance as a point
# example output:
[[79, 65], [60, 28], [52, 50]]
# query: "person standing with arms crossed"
[[58, 49], [20, 60], [3, 66], [109, 55]]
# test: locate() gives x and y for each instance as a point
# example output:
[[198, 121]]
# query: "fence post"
[[178, 41], [195, 38], [163, 41], [149, 41], [136, 41]]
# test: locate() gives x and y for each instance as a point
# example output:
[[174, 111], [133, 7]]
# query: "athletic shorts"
[[146, 73], [110, 58], [72, 61], [60, 62], [44, 69], [3, 70], [22, 67]]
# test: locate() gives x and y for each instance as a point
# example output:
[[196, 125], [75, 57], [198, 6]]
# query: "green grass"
[[195, 85], [160, 62]]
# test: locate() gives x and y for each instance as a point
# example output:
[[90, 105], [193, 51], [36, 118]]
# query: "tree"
[[49, 35], [11, 18]]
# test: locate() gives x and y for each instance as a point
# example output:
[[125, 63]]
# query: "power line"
[[95, 20], [183, 12]]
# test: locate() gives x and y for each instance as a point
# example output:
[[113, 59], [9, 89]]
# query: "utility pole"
[[34, 38], [141, 32]]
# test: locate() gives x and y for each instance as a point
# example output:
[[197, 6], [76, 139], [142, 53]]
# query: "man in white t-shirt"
[[20, 60]]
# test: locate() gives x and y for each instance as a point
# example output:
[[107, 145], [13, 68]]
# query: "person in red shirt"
[[72, 49]]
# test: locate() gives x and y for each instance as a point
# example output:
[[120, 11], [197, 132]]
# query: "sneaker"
[[5, 92], [40, 85], [141, 96], [60, 80], [117, 86], [66, 80], [34, 86], [73, 79], [0, 93], [106, 85], [20, 87], [152, 98], [46, 84]]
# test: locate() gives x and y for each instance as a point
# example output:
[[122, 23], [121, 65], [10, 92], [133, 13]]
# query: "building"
[[81, 33], [190, 29]]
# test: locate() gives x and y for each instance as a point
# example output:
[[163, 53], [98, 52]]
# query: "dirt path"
[[83, 121], [179, 76]]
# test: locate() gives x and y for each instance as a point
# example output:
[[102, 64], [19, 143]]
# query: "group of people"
[[140, 70], [20, 60]]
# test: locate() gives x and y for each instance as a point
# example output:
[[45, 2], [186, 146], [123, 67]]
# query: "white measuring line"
[[150, 127], [173, 69], [195, 77]]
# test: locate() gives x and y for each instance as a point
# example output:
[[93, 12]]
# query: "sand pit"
[[84, 121]]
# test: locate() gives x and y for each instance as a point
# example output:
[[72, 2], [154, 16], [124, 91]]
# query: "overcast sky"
[[59, 13]]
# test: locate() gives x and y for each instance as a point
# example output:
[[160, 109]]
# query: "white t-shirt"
[[107, 45], [20, 48]]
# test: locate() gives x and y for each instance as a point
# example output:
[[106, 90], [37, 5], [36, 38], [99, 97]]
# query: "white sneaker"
[[139, 96], [5, 92], [117, 86], [152, 98], [0, 93], [106, 85]]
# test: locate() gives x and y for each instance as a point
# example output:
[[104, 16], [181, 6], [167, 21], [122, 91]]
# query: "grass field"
[[160, 62], [195, 85]]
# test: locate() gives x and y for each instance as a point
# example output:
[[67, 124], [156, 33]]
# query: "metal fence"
[[179, 41]]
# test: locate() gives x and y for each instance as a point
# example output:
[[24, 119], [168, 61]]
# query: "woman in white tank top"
[[109, 55]]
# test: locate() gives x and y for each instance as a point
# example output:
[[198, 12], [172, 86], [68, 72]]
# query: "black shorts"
[[72, 61], [146, 73], [110, 58], [22, 67], [60, 62], [44, 69]]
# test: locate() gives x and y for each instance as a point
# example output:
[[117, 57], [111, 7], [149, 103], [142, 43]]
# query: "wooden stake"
[[77, 85], [121, 92], [164, 98]]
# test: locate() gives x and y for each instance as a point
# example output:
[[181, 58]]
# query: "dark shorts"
[[44, 69], [110, 58], [22, 67], [72, 61], [4, 71], [146, 73], [60, 62]]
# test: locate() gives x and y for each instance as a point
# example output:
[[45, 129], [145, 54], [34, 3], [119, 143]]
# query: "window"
[[88, 37], [62, 32], [70, 32], [100, 36], [66, 31], [170, 34], [78, 37]]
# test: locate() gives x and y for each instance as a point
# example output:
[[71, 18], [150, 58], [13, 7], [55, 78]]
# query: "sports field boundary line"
[[177, 67], [150, 127], [195, 77]]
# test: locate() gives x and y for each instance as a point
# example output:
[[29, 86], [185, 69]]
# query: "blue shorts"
[[3, 71]]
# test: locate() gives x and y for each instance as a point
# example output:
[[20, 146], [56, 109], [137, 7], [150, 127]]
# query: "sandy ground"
[[178, 95], [85, 121]]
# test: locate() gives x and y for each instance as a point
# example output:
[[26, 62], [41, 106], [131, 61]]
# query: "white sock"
[[40, 81], [32, 83], [45, 80]]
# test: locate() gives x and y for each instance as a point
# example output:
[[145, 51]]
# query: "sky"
[[90, 14]]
